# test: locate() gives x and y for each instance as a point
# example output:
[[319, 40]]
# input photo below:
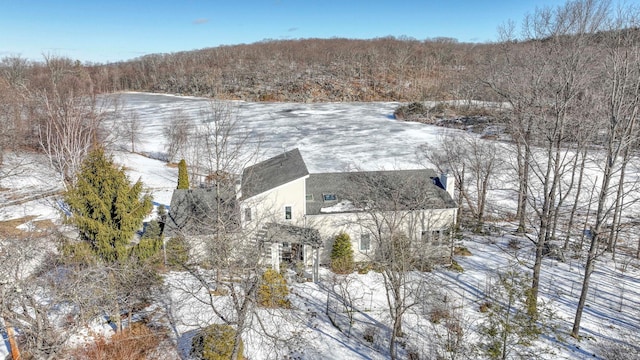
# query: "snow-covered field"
[[339, 136]]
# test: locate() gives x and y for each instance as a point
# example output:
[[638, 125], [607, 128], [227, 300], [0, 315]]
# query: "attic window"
[[329, 197]]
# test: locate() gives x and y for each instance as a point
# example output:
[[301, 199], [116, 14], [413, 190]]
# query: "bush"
[[456, 267], [147, 248], [215, 342], [152, 230], [438, 314], [364, 268], [461, 251], [273, 290], [136, 343], [485, 307], [410, 110], [77, 253], [177, 252], [342, 254]]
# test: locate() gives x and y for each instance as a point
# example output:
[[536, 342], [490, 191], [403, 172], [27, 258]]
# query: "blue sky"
[[103, 31]]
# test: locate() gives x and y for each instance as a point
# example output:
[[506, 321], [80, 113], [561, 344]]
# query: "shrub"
[[410, 110], [461, 251], [152, 230], [177, 251], [147, 248], [342, 254], [215, 342], [370, 334], [509, 328], [485, 307], [438, 314], [136, 343], [273, 290], [364, 268], [455, 266], [77, 253]]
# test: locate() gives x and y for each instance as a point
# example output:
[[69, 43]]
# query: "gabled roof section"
[[272, 173], [201, 212], [378, 190]]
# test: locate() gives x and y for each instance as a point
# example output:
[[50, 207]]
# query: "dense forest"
[[309, 70], [306, 70]]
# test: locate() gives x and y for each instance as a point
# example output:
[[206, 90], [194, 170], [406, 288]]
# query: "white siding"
[[270, 205], [355, 224]]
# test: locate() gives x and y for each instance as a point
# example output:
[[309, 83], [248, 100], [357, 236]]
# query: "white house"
[[301, 212], [294, 215]]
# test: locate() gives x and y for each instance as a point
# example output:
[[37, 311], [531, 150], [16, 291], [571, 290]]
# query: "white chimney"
[[449, 183]]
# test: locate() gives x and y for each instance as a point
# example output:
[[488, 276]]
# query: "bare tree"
[[448, 158], [13, 103], [178, 133], [226, 264], [475, 165], [395, 212], [544, 81], [622, 96], [69, 115], [30, 295], [129, 129]]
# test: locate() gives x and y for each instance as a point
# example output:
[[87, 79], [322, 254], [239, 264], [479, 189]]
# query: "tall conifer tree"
[[105, 207], [183, 176]]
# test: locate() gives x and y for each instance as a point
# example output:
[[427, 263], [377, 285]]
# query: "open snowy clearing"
[[340, 136]]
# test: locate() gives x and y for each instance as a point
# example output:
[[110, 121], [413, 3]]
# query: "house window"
[[329, 197], [287, 212], [247, 214], [435, 237], [365, 242], [309, 197]]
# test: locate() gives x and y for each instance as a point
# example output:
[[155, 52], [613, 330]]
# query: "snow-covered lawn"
[[339, 136]]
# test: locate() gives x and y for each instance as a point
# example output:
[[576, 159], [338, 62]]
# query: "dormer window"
[[329, 197], [309, 197]]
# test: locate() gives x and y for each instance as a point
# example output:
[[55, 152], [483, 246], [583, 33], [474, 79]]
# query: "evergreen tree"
[[273, 290], [162, 213], [342, 254], [105, 207], [509, 330], [183, 176]]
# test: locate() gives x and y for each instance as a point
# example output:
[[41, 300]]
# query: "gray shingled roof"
[[273, 172], [194, 212], [384, 190]]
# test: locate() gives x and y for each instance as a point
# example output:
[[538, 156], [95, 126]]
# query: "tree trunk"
[[523, 177], [577, 199]]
